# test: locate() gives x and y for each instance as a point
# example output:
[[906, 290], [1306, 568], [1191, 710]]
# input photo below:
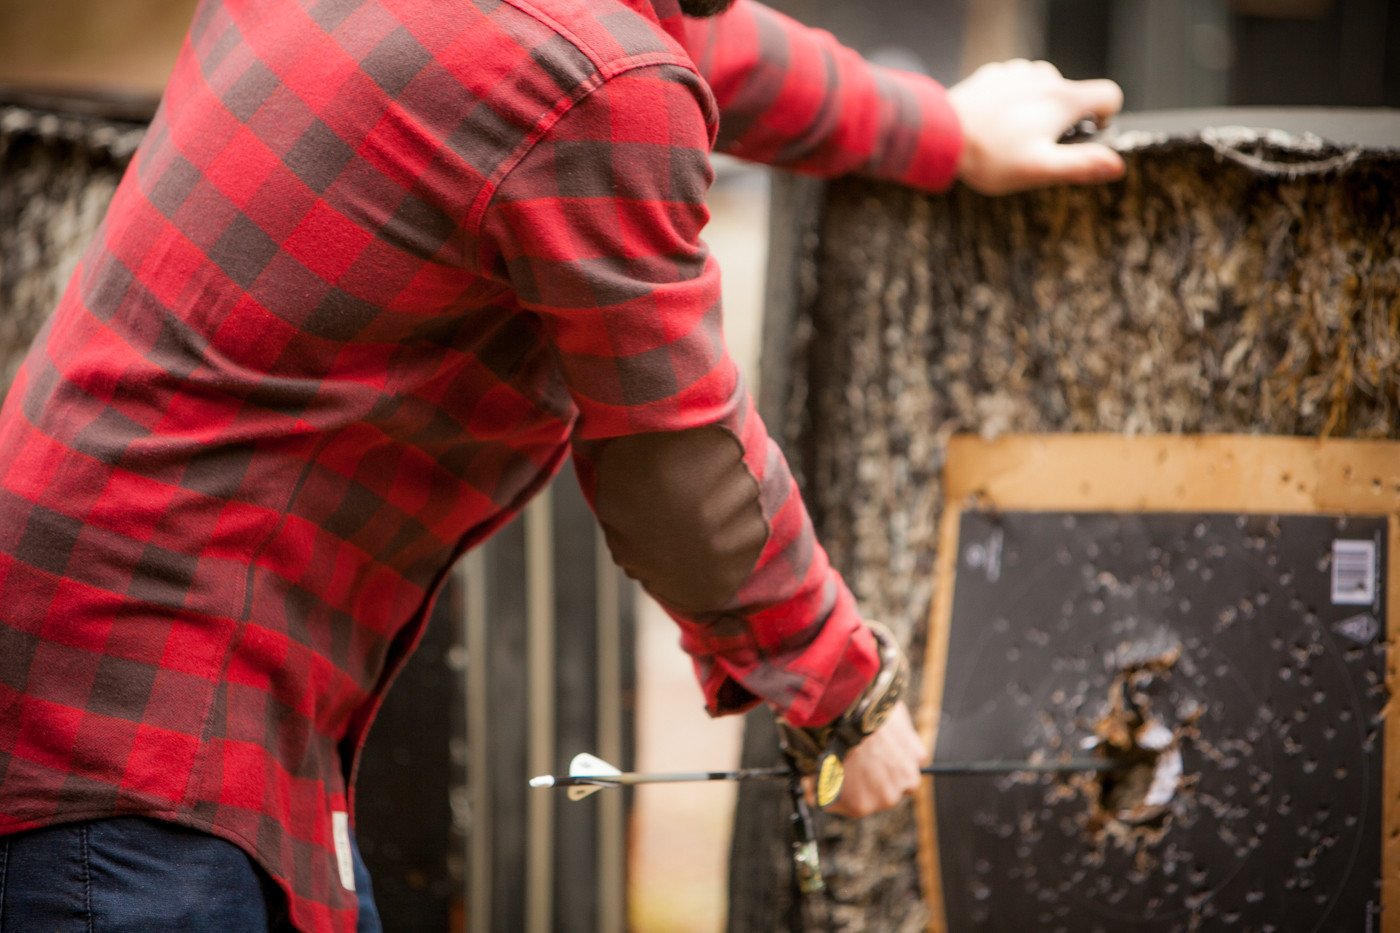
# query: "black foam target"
[[1256, 641]]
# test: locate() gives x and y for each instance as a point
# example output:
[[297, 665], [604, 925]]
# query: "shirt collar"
[[665, 9], [665, 12]]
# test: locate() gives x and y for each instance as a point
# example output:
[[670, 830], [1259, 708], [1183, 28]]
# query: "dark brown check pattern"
[[376, 266]]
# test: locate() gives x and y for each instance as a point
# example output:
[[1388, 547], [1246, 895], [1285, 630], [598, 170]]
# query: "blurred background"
[[674, 843], [1165, 53]]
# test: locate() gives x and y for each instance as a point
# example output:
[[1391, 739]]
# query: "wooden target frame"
[[1235, 474]]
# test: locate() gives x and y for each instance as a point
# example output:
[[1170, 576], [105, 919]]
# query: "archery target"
[[1236, 660]]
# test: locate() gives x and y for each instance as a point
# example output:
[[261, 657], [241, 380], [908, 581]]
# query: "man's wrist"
[[806, 746]]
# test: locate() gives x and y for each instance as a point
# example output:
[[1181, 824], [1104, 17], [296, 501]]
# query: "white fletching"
[[586, 765]]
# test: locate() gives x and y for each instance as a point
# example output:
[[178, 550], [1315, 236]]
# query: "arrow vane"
[[589, 774]]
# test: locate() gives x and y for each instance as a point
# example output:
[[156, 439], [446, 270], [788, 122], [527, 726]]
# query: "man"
[[379, 267]]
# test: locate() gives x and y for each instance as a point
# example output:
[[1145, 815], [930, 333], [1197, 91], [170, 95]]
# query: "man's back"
[[288, 385]]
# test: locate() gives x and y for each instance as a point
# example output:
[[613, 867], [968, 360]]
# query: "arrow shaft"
[[630, 778], [955, 768], [941, 769]]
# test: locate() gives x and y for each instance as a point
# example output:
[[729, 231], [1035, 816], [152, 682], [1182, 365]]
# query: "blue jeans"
[[129, 874]]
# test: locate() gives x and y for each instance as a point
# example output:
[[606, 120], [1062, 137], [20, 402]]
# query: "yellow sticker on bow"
[[831, 774]]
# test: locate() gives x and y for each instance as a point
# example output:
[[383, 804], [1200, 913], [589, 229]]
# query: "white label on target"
[[1353, 573]]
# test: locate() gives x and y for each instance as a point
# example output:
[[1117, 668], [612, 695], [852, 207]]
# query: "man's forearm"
[[709, 520], [795, 97]]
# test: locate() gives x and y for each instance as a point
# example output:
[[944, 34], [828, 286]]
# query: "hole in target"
[[1140, 791], [1135, 798]]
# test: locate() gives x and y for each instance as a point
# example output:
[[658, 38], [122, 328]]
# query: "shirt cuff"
[[810, 688], [858, 663]]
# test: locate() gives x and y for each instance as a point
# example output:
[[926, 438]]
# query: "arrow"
[[589, 774]]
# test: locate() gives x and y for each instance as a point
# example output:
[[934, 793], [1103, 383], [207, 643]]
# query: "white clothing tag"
[[340, 832]]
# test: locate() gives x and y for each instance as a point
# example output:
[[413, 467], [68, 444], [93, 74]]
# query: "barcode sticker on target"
[[1353, 573]]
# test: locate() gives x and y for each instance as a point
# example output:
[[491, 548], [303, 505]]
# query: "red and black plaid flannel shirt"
[[377, 264]]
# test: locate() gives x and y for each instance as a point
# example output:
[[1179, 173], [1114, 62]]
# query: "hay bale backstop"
[[1244, 278]]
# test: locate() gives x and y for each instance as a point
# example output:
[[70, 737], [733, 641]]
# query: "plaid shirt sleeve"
[[795, 97], [597, 231]]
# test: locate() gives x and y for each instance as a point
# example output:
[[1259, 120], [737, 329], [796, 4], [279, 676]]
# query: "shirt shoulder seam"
[[605, 71]]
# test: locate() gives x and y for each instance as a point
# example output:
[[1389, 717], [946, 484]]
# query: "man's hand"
[[1013, 114], [884, 768]]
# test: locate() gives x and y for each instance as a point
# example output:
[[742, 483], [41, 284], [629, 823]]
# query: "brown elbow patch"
[[681, 514]]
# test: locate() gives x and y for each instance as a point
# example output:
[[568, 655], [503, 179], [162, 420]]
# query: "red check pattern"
[[377, 265]]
